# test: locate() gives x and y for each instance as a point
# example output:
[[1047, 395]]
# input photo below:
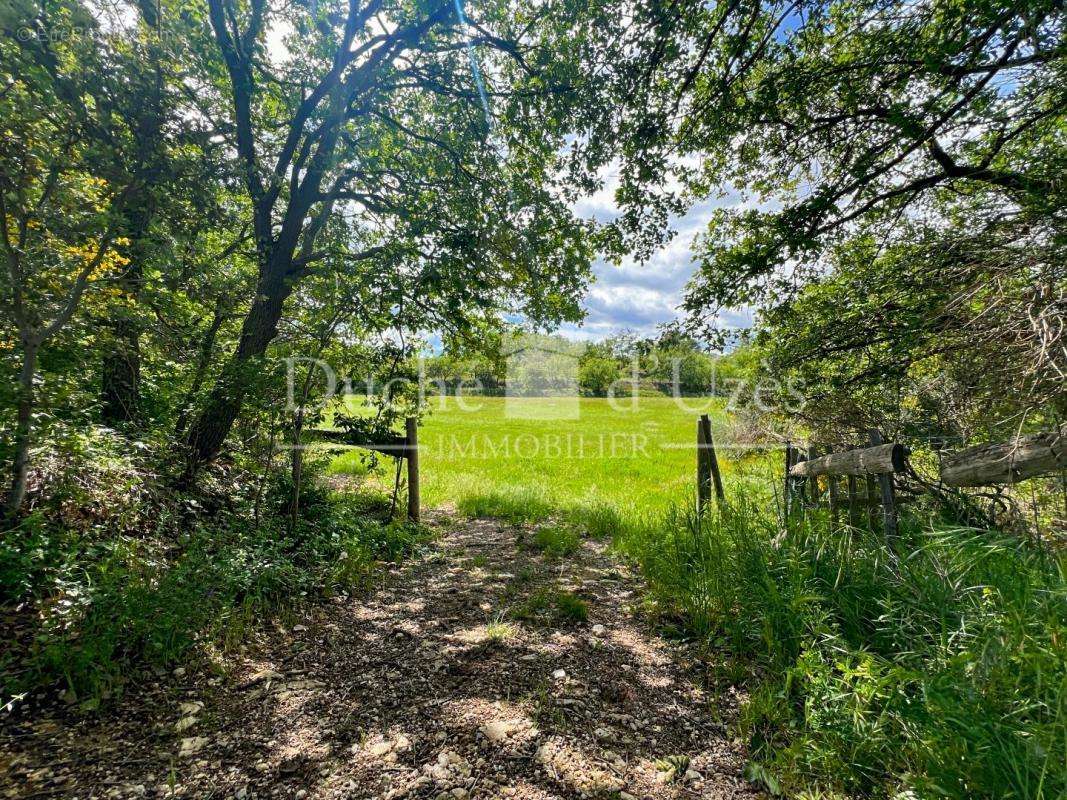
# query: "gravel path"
[[427, 687]]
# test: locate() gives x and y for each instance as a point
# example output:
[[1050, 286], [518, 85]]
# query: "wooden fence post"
[[703, 472], [853, 509], [713, 460], [831, 482], [869, 495], [813, 481], [412, 454], [788, 488], [885, 481]]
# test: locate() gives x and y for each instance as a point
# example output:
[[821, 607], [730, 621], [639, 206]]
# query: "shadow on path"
[[426, 688]]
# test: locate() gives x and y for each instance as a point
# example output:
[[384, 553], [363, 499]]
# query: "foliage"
[[891, 200], [931, 663], [112, 605], [851, 110], [965, 334], [597, 375], [272, 181]]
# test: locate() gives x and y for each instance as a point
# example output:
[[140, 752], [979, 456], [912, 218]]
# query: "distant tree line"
[[671, 362]]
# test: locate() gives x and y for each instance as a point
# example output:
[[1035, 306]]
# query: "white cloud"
[[641, 296]]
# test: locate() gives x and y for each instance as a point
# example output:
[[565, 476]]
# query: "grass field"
[[591, 460]]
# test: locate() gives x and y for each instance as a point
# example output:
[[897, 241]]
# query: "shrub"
[[933, 663], [111, 606]]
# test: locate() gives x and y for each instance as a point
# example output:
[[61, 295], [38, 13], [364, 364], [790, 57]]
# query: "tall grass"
[[935, 663], [105, 607]]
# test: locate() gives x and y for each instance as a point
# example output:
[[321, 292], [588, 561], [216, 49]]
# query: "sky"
[[640, 296]]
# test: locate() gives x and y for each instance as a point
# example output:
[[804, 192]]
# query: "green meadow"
[[596, 461]]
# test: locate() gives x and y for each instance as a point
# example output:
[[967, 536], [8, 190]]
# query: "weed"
[[499, 630], [111, 606], [672, 767], [571, 607], [544, 709], [932, 664], [556, 542], [552, 606], [599, 521]]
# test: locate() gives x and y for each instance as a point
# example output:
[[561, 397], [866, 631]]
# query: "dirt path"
[[425, 688]]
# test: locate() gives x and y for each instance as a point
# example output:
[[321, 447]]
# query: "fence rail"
[[875, 464], [1017, 460], [872, 467], [404, 447], [866, 461]]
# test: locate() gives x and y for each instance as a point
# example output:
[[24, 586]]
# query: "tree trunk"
[[120, 376], [23, 430], [203, 361], [212, 426], [276, 255], [120, 387]]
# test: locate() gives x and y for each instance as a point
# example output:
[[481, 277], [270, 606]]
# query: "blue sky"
[[637, 296]]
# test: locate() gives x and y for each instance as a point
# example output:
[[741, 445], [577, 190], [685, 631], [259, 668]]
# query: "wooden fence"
[[874, 465], [404, 447], [859, 480]]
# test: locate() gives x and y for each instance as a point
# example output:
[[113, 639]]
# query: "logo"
[[541, 378]]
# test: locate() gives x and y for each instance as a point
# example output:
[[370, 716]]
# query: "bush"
[[110, 606], [596, 375], [934, 663]]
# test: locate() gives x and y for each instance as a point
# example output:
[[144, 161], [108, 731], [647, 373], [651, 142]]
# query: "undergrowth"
[[935, 663], [556, 541], [88, 607]]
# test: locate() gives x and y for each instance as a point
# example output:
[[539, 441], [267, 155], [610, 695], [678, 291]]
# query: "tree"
[[378, 115], [945, 334], [59, 217], [881, 110], [843, 113], [141, 93], [904, 169], [596, 374]]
